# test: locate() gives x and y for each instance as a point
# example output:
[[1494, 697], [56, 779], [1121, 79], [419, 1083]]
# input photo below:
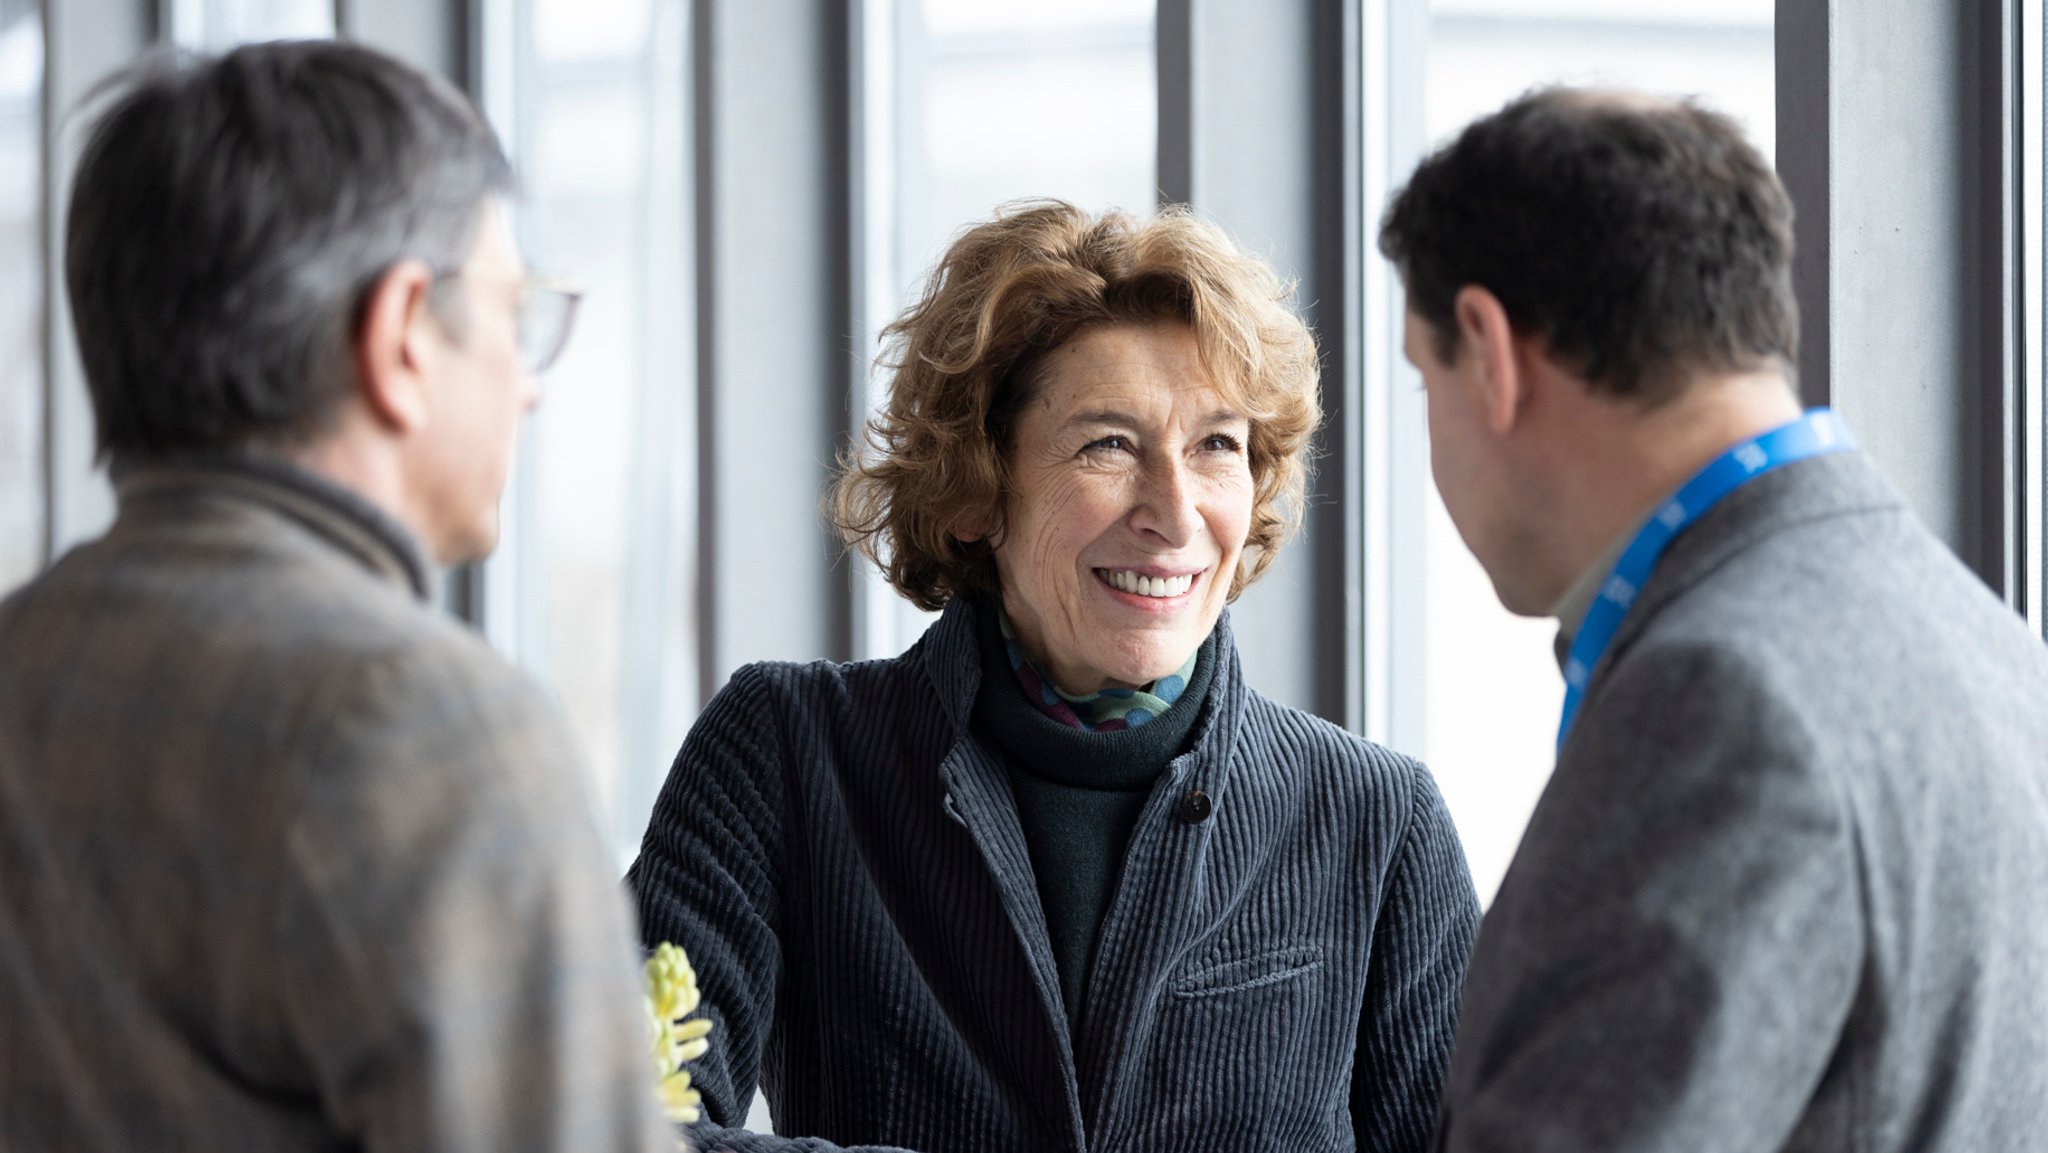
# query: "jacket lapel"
[[978, 797], [1177, 878]]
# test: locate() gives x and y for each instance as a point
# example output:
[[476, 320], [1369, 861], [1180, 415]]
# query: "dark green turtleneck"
[[1079, 794]]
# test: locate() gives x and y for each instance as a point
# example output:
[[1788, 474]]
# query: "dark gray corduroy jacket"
[[841, 857]]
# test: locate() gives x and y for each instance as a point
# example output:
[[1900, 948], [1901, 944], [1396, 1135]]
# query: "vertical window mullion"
[[2030, 421], [24, 358]]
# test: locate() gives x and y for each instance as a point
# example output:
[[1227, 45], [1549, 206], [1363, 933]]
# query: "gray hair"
[[230, 216]]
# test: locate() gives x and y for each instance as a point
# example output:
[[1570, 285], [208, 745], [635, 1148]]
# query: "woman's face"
[[1131, 499]]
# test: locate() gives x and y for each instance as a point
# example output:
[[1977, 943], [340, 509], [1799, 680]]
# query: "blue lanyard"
[[1817, 433]]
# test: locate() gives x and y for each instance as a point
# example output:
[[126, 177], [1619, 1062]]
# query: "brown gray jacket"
[[288, 860]]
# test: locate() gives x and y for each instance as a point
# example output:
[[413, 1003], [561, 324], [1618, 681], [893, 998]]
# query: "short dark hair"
[[231, 214], [1645, 241]]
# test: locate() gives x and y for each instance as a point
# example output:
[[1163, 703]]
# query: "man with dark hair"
[[1779, 893], [287, 859]]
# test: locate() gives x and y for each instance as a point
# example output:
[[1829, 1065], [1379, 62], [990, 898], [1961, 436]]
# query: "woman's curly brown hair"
[[963, 361]]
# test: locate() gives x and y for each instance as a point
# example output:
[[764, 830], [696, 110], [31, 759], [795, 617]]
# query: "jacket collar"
[[950, 654], [1818, 488], [336, 514]]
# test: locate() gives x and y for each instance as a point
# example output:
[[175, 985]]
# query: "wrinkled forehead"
[[1213, 373]]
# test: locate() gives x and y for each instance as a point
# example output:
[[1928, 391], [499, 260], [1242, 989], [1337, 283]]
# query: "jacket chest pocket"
[[1260, 1044], [1229, 978]]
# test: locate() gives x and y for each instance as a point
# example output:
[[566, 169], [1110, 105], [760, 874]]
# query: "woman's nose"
[[1166, 505]]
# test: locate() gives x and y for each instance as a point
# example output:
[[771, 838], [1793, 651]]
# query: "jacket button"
[[1195, 807]]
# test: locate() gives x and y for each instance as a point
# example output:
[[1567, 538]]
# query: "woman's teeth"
[[1145, 586]]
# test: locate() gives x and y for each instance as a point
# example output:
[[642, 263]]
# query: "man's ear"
[[389, 347], [1485, 332]]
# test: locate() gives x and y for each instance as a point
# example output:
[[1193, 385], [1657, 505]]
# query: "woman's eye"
[[1221, 442], [1114, 443]]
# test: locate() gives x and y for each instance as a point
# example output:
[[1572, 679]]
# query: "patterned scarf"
[[1105, 711]]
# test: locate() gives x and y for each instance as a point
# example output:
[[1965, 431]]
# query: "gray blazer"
[[1785, 889], [290, 861]]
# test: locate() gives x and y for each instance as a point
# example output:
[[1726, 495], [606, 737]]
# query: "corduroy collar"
[[950, 655], [1086, 758]]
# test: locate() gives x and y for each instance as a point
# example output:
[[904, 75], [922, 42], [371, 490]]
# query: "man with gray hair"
[[287, 859], [1782, 891]]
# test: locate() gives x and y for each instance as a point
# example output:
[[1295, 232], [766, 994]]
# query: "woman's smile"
[[1151, 591]]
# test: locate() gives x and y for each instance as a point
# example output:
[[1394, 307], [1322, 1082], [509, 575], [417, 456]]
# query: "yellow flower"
[[678, 1101], [672, 996]]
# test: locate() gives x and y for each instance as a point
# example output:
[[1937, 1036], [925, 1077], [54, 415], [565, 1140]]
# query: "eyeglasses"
[[547, 310]]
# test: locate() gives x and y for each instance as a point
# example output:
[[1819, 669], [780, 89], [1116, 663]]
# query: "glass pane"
[[1015, 100], [21, 291], [972, 104], [1492, 686], [2032, 499], [219, 24], [600, 547]]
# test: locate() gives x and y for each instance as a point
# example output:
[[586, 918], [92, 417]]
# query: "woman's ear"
[[1485, 332], [390, 356], [981, 526]]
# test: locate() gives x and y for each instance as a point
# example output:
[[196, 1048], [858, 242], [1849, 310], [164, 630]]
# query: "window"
[[1491, 689], [21, 291], [591, 587], [2032, 502], [220, 24]]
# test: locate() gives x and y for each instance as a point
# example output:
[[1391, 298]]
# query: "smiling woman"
[[1056, 876], [927, 505], [1129, 503]]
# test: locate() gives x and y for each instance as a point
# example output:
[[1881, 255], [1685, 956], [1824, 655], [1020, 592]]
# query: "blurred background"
[[749, 191]]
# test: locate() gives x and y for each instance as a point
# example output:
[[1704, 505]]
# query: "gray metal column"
[[431, 35], [2029, 410], [24, 351], [774, 292], [84, 42], [1259, 129], [1899, 134]]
